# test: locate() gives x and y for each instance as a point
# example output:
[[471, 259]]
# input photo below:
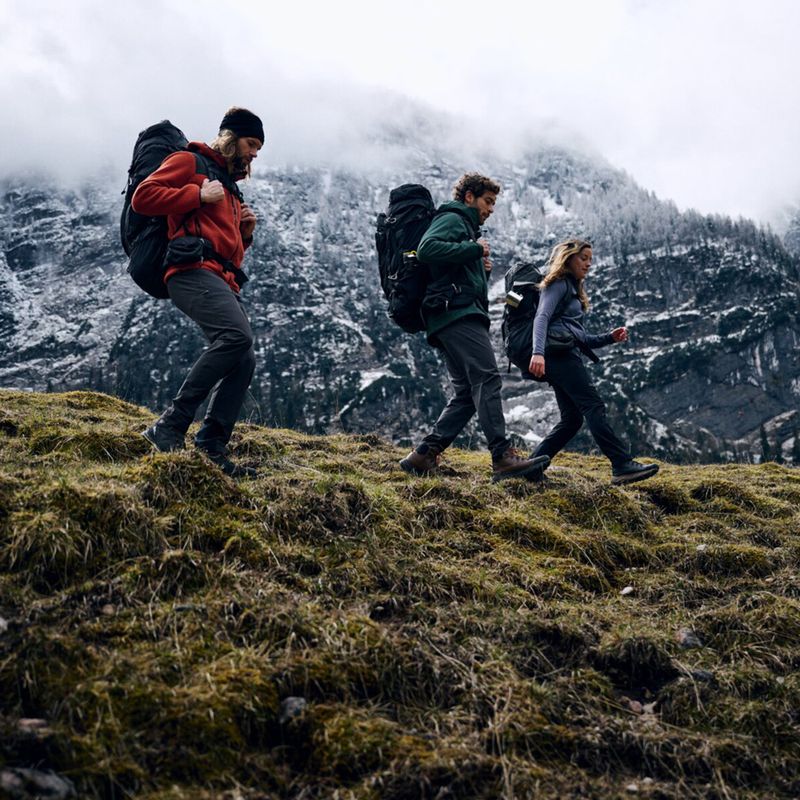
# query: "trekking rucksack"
[[522, 300], [398, 233], [144, 238]]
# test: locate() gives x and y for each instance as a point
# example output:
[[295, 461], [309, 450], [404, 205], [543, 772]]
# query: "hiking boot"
[[164, 438], [542, 463], [513, 465], [220, 458], [417, 463], [632, 471]]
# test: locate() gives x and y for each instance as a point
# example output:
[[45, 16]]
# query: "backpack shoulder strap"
[[205, 166], [563, 302]]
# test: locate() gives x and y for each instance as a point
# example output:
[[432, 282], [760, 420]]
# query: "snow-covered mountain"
[[711, 371], [791, 237]]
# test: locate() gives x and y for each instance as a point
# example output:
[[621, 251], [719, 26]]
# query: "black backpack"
[[398, 232], [144, 238], [522, 300]]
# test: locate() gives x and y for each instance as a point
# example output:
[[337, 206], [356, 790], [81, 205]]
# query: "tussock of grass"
[[450, 637]]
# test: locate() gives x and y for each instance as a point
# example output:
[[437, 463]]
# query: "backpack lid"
[[410, 191], [522, 274]]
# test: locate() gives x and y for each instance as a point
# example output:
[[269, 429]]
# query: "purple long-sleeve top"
[[569, 318]]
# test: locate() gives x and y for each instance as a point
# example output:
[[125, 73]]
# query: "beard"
[[241, 168]]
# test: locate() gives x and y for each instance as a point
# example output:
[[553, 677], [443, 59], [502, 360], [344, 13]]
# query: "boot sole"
[[529, 473], [619, 480]]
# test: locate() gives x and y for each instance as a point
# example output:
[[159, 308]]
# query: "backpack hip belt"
[[194, 249]]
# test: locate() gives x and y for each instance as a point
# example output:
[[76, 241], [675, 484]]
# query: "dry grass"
[[450, 637]]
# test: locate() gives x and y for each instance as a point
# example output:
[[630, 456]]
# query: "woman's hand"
[[620, 334], [536, 367]]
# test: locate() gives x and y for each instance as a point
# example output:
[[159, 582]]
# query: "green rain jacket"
[[458, 287]]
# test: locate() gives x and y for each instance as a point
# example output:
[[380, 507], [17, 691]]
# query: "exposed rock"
[[687, 639], [27, 784], [291, 707], [34, 728]]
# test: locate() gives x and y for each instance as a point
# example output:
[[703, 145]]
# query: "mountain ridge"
[[698, 292]]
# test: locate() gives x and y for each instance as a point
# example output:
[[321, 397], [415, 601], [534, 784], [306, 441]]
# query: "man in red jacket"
[[209, 228]]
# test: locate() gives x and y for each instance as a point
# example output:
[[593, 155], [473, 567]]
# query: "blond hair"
[[225, 144], [558, 269]]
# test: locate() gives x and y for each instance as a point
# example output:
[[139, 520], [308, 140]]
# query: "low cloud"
[[695, 100]]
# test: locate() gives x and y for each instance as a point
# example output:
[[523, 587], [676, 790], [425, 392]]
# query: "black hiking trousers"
[[578, 400], [224, 369], [469, 356]]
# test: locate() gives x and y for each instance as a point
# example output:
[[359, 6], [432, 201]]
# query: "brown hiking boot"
[[422, 463], [514, 465]]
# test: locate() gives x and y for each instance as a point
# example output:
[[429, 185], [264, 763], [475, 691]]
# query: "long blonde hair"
[[226, 144], [557, 268]]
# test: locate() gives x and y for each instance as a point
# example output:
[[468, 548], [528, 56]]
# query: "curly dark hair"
[[476, 183]]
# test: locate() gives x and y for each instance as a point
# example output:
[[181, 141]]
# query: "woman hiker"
[[559, 339]]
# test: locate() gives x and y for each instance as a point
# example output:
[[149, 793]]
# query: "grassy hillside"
[[449, 638]]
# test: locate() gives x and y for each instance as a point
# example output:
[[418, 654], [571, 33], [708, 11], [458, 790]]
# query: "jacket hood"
[[455, 205]]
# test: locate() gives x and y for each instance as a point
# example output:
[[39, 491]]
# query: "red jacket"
[[174, 190]]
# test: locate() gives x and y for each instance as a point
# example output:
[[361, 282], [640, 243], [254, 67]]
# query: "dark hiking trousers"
[[226, 366], [469, 357], [578, 399]]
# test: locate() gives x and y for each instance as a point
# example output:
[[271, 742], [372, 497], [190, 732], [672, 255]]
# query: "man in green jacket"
[[456, 311]]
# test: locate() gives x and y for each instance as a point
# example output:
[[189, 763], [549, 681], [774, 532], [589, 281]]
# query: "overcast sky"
[[696, 99]]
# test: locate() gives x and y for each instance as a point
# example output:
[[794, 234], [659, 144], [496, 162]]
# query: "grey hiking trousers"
[[469, 356], [224, 369]]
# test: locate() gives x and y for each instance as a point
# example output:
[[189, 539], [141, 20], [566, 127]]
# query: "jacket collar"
[[464, 210], [205, 150]]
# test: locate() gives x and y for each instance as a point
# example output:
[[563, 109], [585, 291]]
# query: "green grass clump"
[[336, 628]]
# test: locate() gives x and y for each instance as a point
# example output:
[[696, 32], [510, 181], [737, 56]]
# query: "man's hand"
[[248, 223], [211, 191], [536, 367], [620, 334], [487, 262]]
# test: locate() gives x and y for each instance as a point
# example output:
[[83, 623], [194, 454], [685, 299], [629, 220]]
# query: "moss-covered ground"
[[450, 637]]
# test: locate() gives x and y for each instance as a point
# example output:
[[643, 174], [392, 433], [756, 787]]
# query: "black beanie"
[[243, 123]]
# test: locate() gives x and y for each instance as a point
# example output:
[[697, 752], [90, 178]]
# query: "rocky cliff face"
[[712, 369]]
